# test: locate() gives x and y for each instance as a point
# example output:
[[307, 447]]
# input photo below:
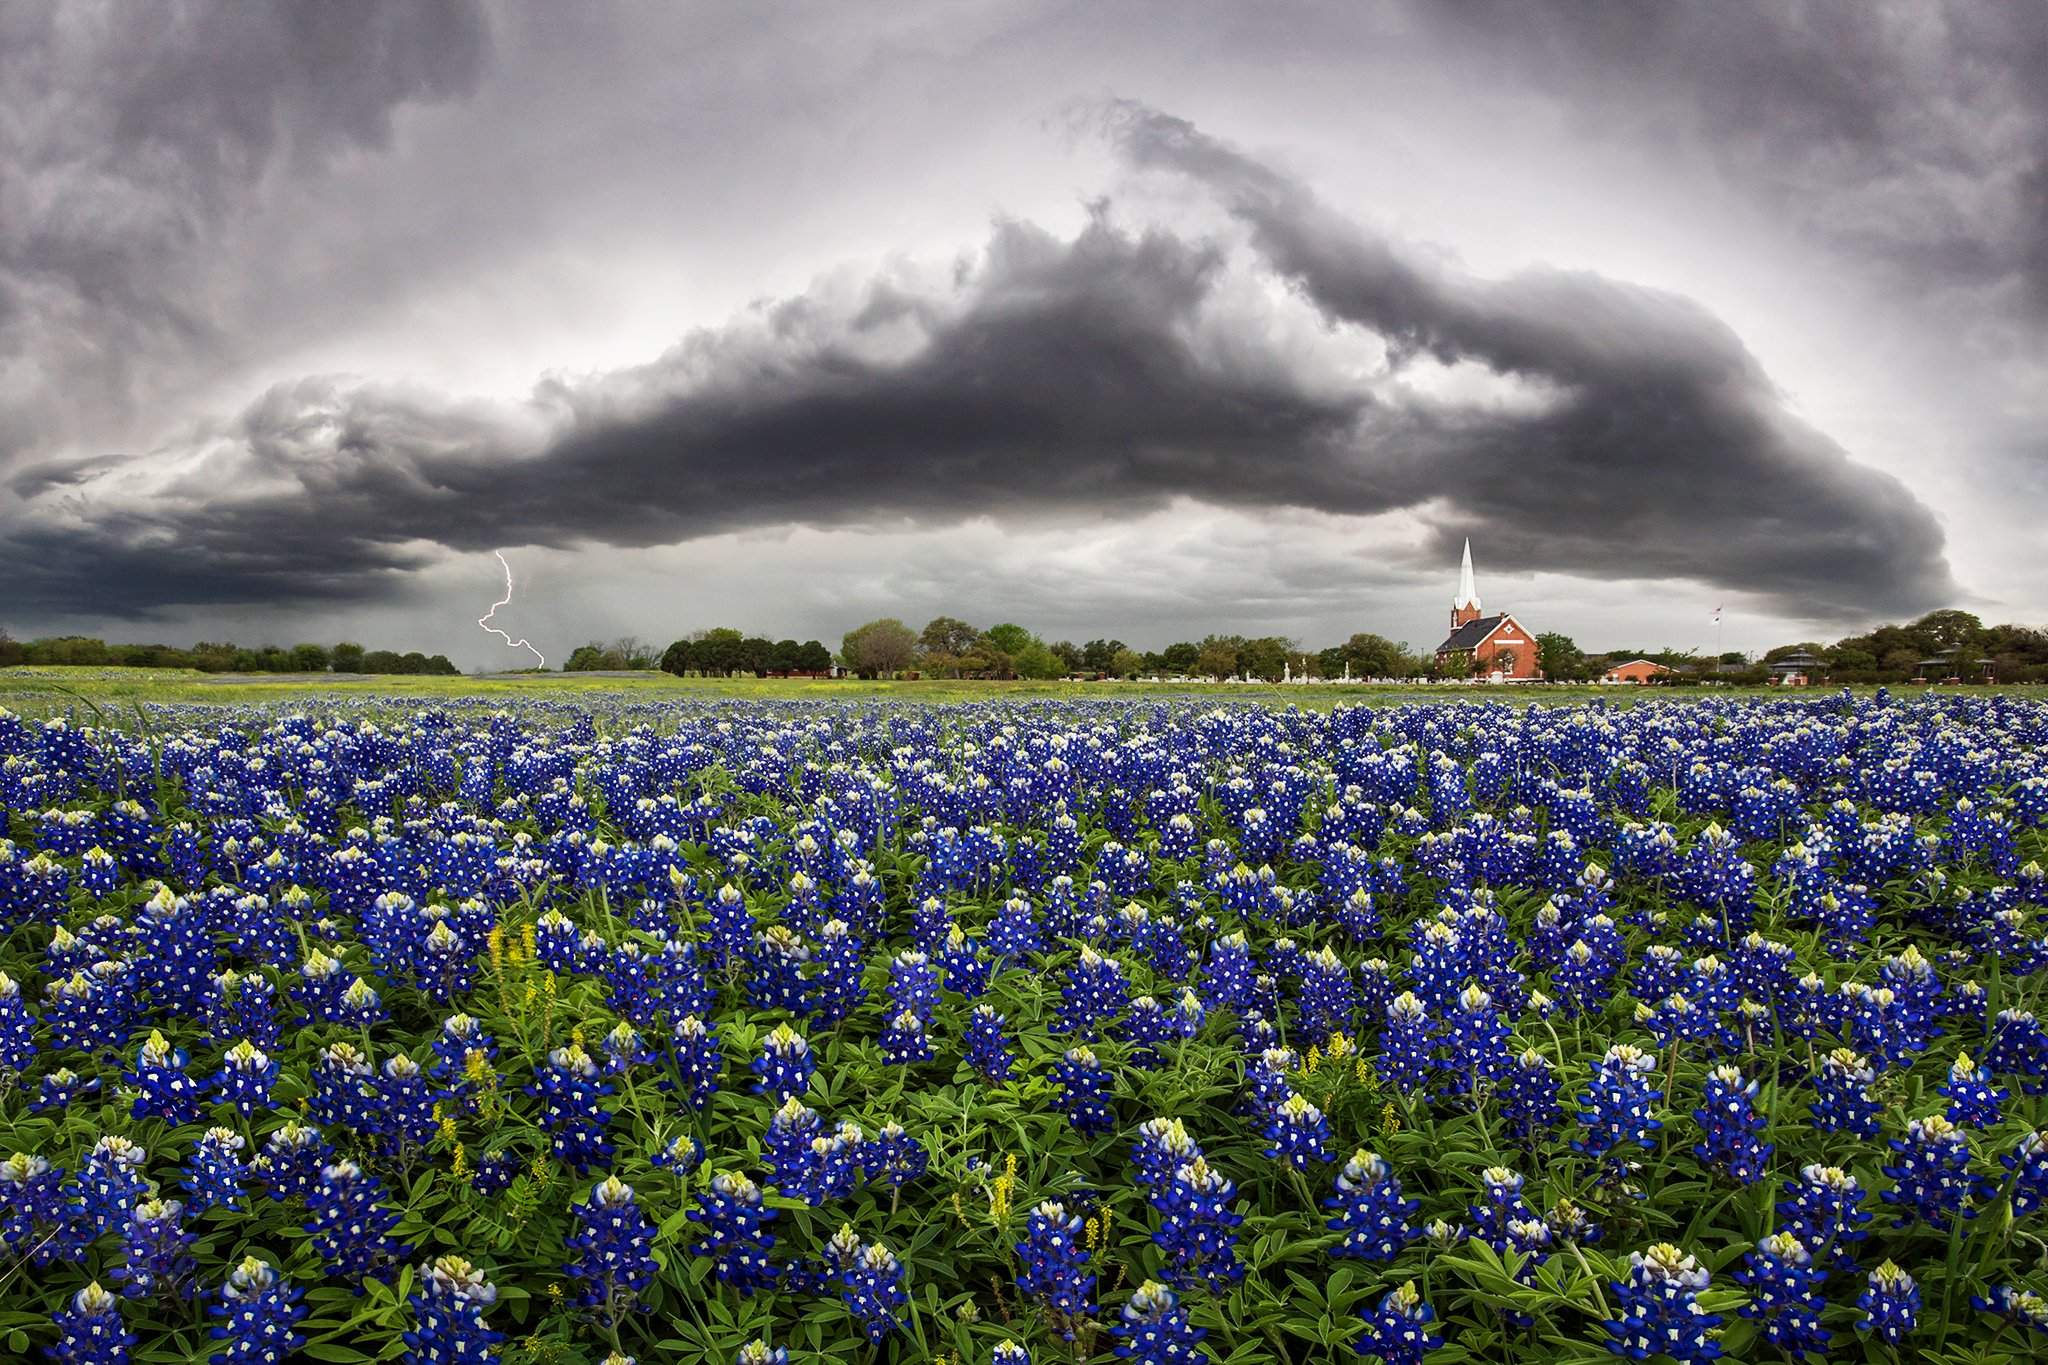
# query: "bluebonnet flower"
[[406, 1119], [1974, 1100], [893, 1157], [699, 1060], [1153, 1329], [1009, 1353], [1478, 1040], [625, 1050], [987, 1051], [777, 980], [1785, 1294], [873, 1288], [1615, 1106], [1890, 1304], [913, 985], [1844, 1097], [1731, 1129], [1398, 1330], [259, 1316], [244, 1079], [2028, 1162], [291, 1161], [495, 1172], [1053, 1265], [787, 1143], [1196, 1230], [344, 1089], [1824, 1209], [37, 1219], [1228, 979], [157, 1251], [613, 1244], [61, 1089], [731, 1215], [572, 1109], [350, 1226], [448, 1315], [837, 991], [215, 1171], [1093, 994], [1297, 1133], [90, 1330], [110, 1183], [1372, 1214], [1084, 1091], [1932, 1174], [904, 1040], [757, 1352], [1328, 996], [17, 1027], [1162, 1147], [2024, 1307], [785, 1064], [164, 1091], [1529, 1105], [1504, 1207], [1406, 1050], [1659, 1309]]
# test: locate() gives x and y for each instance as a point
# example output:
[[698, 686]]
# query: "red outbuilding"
[[1634, 671]]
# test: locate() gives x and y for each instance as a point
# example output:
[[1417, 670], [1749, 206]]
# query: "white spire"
[[1468, 587]]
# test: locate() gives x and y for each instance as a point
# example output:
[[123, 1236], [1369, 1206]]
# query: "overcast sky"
[[1114, 320]]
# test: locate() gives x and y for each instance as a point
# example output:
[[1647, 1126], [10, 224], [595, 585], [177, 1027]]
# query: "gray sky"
[[1132, 320]]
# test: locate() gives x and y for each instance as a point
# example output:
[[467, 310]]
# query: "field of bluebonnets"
[[985, 1033]]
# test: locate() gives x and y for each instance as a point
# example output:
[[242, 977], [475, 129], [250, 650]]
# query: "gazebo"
[[1796, 669]]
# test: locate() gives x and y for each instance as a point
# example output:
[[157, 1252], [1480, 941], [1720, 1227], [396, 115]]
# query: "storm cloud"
[[1914, 132], [134, 135], [1098, 374]]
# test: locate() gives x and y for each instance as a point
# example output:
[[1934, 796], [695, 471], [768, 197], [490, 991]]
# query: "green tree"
[[1071, 656], [1097, 655], [678, 658], [948, 635], [719, 651], [1009, 638], [11, 650], [309, 658], [347, 657], [1036, 660], [1180, 657], [1126, 663], [1266, 657], [1560, 657], [587, 659], [1216, 656], [883, 646], [813, 657]]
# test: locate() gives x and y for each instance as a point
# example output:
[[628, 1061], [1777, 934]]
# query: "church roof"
[[1471, 633]]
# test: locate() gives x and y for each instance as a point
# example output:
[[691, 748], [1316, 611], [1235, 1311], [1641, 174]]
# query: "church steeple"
[[1465, 606]]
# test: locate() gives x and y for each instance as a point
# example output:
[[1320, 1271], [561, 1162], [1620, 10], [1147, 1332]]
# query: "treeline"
[[720, 653], [219, 657], [948, 647], [1941, 644]]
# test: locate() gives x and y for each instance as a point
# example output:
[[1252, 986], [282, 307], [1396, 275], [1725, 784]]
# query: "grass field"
[[44, 691]]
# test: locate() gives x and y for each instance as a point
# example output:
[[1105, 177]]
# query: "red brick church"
[[1494, 648]]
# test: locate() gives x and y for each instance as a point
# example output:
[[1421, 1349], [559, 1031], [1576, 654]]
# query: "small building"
[[1497, 648], [1797, 669], [1637, 671]]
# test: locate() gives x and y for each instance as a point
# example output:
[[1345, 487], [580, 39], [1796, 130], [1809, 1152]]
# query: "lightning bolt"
[[506, 601]]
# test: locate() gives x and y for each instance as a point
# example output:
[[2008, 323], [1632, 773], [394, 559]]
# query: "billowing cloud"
[[1568, 421], [1911, 131], [134, 133]]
